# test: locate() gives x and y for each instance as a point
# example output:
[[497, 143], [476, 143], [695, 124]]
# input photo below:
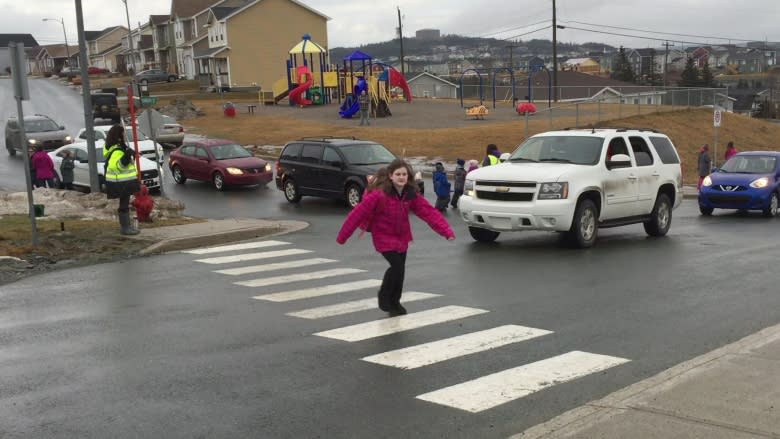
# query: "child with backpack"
[[441, 186], [460, 182]]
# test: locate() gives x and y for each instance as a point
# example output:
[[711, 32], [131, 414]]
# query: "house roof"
[[92, 35], [114, 48], [159, 19], [108, 30], [189, 8], [210, 53], [27, 39], [431, 76], [227, 12], [58, 50]]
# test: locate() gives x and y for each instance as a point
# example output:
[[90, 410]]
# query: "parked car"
[[149, 174], [747, 181], [576, 182], [92, 70], [39, 130], [222, 162], [329, 167], [154, 75], [69, 72], [145, 145], [171, 133], [105, 106]]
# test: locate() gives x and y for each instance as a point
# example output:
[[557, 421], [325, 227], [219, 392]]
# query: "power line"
[[657, 32], [526, 33], [696, 43], [513, 28]]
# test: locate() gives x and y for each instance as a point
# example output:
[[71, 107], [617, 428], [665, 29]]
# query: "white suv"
[[577, 181]]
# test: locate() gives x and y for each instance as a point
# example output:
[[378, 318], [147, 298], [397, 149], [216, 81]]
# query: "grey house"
[[5, 57], [426, 85]]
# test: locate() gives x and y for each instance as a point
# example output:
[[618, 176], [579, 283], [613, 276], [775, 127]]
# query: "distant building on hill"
[[428, 34]]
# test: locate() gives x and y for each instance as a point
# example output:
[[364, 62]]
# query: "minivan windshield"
[[579, 150], [40, 126], [750, 164], [367, 154]]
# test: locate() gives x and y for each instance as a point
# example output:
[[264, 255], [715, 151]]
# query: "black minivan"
[[329, 167]]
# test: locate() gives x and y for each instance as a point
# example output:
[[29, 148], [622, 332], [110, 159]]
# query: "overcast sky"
[[356, 22]]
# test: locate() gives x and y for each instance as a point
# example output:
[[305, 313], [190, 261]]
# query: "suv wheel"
[[353, 195], [219, 181], [661, 218], [773, 203], [178, 175], [584, 226], [483, 235], [291, 191]]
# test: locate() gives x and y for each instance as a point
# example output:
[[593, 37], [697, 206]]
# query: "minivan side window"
[[292, 151], [331, 157], [665, 150], [311, 153]]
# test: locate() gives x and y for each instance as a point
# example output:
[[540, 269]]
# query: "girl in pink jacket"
[[385, 213]]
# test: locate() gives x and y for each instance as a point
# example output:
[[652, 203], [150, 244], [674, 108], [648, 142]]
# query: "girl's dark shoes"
[[397, 310]]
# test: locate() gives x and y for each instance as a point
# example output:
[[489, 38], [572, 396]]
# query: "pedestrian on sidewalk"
[[705, 164], [441, 187], [43, 166], [730, 150], [121, 175], [386, 211], [66, 170], [365, 107], [473, 166], [460, 182]]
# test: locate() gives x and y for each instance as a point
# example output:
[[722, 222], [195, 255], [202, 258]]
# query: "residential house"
[[53, 57], [31, 58], [426, 85], [746, 60], [5, 53], [140, 54], [700, 56], [102, 46], [189, 18], [642, 60], [577, 86], [163, 43], [249, 41], [583, 65]]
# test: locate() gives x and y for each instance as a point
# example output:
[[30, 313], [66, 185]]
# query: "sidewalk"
[[730, 393], [213, 232]]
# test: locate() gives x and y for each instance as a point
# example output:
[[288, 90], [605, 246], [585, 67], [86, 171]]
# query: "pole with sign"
[[717, 117]]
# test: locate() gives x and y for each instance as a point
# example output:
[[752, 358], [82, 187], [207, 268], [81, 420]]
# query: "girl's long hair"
[[411, 184], [116, 136]]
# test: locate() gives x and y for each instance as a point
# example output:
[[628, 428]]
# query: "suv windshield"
[[749, 164], [40, 125], [580, 150], [224, 152], [367, 154]]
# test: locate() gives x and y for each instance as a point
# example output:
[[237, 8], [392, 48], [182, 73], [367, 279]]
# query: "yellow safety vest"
[[493, 159], [115, 172]]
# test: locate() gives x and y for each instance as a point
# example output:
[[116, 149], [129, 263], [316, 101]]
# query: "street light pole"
[[130, 37], [555, 54], [64, 34]]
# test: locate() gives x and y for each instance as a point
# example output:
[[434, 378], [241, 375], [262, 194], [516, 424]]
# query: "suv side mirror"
[[619, 161]]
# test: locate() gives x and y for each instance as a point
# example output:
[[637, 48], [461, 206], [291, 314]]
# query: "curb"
[[187, 242]]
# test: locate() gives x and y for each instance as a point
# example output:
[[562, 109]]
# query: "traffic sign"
[[716, 118], [148, 101]]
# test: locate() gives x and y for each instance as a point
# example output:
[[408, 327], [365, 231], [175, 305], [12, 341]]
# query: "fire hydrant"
[[143, 204]]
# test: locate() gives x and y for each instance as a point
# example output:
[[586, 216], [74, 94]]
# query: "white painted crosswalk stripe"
[[233, 247], [354, 306], [441, 350], [307, 293], [299, 277], [505, 386], [277, 266], [253, 256], [378, 328]]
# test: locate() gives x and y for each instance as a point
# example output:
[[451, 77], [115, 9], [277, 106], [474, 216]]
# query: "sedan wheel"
[[219, 181], [353, 194], [291, 191], [178, 175], [773, 205]]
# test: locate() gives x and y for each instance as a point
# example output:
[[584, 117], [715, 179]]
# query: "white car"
[[575, 182], [145, 145], [171, 132], [149, 173]]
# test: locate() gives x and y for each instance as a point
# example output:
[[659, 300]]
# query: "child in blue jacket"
[[441, 186]]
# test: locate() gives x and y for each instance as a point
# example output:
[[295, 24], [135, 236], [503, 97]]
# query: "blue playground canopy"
[[358, 56]]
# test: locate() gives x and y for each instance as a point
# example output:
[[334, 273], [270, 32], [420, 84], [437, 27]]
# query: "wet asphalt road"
[[164, 347]]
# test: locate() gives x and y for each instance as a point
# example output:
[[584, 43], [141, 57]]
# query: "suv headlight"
[[760, 183], [468, 188], [553, 191], [32, 141]]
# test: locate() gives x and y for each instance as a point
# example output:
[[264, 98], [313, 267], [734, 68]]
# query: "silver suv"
[[39, 130], [577, 181]]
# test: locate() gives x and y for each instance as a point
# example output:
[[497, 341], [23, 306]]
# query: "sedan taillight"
[[181, 129]]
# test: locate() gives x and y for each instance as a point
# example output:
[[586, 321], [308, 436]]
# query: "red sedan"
[[222, 162], [96, 70]]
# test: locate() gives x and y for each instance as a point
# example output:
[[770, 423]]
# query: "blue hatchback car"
[[747, 181]]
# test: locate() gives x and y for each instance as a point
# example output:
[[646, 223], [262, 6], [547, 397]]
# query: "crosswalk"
[[474, 396]]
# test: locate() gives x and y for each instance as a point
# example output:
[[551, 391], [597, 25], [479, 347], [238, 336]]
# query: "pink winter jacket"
[[387, 217], [43, 165]]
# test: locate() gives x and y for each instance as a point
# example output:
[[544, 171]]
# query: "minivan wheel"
[[772, 210], [291, 191], [353, 195], [483, 235], [661, 217], [584, 226], [178, 175], [219, 181]]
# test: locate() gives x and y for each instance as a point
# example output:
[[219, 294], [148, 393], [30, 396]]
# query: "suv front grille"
[[527, 184], [505, 196], [149, 174], [52, 144]]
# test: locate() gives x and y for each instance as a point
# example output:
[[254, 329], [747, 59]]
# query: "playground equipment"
[[312, 71], [378, 79], [351, 104], [526, 108], [479, 73], [478, 111]]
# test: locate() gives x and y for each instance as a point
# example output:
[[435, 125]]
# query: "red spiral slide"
[[296, 94], [398, 80]]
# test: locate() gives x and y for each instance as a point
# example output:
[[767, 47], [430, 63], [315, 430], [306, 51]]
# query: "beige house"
[[249, 41], [102, 48], [188, 18]]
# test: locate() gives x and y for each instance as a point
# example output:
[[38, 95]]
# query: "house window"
[[222, 37]]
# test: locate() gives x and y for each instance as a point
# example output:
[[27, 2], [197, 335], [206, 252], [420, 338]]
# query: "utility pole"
[[666, 60], [130, 37], [555, 54], [401, 39], [511, 46], [86, 100]]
